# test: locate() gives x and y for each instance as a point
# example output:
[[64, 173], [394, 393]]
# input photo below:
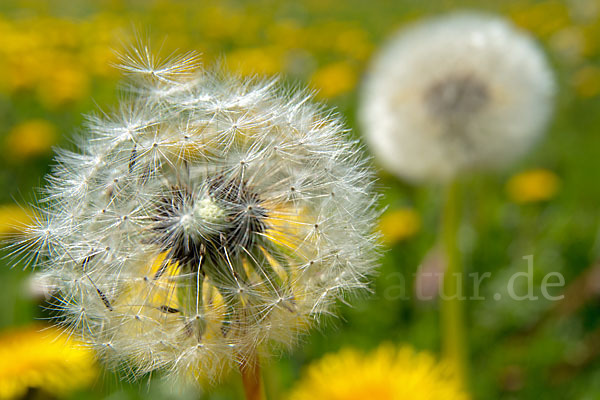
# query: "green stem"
[[452, 297]]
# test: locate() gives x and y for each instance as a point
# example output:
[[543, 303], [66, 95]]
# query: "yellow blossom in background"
[[287, 34], [532, 186], [30, 139], [55, 58], [591, 35], [13, 218], [399, 224], [44, 359], [100, 60], [220, 23], [587, 81], [389, 373], [69, 84], [21, 74], [256, 61], [334, 79], [354, 43], [542, 18], [569, 44]]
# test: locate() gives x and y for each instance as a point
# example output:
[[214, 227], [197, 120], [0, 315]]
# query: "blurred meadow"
[[56, 64]]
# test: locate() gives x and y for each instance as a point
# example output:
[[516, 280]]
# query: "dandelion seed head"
[[456, 93], [205, 219]]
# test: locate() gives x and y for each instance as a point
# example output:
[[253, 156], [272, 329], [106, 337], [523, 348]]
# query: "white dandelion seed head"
[[456, 93], [205, 219]]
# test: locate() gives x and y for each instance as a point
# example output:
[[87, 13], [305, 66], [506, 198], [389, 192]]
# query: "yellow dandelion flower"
[[587, 81], [399, 224], [591, 33], [389, 373], [543, 18], [334, 79], [532, 186], [355, 43], [99, 59], [44, 359], [55, 57], [570, 44], [13, 218], [261, 61], [287, 34], [66, 83], [21, 74], [30, 139], [220, 23]]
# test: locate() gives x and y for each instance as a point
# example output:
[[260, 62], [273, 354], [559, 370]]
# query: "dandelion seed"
[[182, 234], [456, 93]]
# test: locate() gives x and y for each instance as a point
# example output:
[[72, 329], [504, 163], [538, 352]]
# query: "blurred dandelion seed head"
[[205, 219], [455, 93], [456, 97]]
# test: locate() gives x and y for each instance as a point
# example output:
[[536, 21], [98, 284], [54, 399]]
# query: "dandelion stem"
[[452, 298], [251, 378]]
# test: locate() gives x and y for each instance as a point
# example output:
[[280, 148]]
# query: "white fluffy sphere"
[[456, 93], [204, 220]]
